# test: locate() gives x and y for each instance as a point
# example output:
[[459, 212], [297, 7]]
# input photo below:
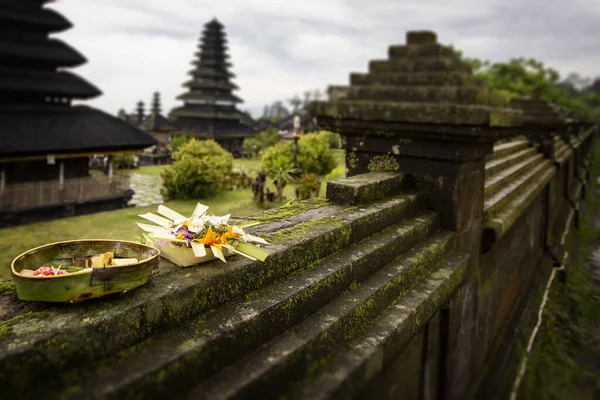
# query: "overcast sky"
[[283, 47]]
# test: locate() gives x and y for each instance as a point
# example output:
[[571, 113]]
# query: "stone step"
[[496, 203], [366, 188], [429, 94], [503, 178], [495, 166], [267, 372], [40, 339], [195, 349], [504, 149], [419, 50], [419, 64], [499, 223], [414, 79], [349, 372]]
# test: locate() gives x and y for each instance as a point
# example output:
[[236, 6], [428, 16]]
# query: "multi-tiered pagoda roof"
[[36, 116], [209, 108], [156, 122]]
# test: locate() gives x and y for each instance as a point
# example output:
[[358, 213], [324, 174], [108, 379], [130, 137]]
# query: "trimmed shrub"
[[201, 168]]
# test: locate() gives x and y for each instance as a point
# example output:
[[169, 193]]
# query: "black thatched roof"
[[36, 116], [220, 129], [209, 104], [45, 83], [28, 14], [45, 129], [30, 59]]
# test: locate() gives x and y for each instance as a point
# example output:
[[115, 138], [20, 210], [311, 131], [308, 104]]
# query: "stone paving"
[[147, 190]]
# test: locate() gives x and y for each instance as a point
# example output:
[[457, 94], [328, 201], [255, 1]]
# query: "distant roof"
[[209, 88], [38, 130], [156, 122]]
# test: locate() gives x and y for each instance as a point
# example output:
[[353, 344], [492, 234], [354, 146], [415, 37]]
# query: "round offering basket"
[[89, 282]]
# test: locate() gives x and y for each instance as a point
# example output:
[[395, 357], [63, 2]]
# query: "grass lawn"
[[120, 224]]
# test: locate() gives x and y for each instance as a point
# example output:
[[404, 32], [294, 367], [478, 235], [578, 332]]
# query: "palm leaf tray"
[[199, 238], [76, 270]]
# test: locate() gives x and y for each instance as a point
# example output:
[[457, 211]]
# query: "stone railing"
[[418, 284]]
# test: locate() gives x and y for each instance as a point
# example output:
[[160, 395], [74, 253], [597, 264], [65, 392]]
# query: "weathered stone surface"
[[37, 339], [427, 94], [366, 188], [501, 179], [198, 348], [421, 37], [440, 79], [418, 113], [422, 85], [421, 64], [514, 178], [420, 50], [318, 337], [368, 355]]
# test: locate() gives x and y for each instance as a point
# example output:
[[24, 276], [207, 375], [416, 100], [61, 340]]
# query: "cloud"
[[279, 48]]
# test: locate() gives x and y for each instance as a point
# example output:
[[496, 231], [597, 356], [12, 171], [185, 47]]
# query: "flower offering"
[[204, 236]]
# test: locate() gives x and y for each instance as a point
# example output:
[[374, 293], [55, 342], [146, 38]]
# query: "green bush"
[[123, 161], [256, 145], [338, 172], [271, 154], [178, 141], [314, 154], [334, 139], [309, 185], [201, 168]]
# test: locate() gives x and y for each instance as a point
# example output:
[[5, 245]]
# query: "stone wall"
[[418, 283]]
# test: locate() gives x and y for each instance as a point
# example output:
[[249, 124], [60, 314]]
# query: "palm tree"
[[282, 172]]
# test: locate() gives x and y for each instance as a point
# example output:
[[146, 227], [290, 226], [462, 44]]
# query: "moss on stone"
[[7, 287], [6, 327], [290, 210]]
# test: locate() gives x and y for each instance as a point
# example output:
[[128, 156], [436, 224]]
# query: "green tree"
[[282, 172], [529, 77], [179, 140], [314, 154], [257, 144], [124, 160], [201, 168]]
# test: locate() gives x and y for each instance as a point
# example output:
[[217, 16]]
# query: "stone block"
[[366, 188], [421, 37]]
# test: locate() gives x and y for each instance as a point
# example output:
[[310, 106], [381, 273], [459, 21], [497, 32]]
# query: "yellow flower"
[[228, 235], [210, 239]]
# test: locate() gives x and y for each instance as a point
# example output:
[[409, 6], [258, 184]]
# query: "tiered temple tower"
[[209, 109], [156, 124], [44, 138]]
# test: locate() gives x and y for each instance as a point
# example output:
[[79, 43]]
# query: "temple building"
[[162, 130], [209, 110], [157, 124], [46, 141]]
